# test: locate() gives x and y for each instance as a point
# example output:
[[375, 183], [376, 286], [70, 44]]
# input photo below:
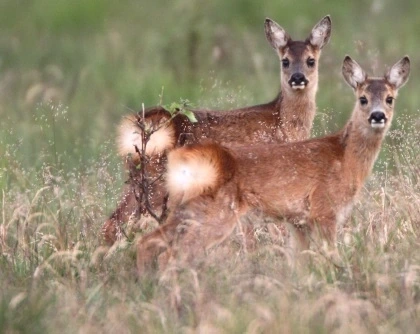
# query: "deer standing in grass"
[[287, 118], [311, 184]]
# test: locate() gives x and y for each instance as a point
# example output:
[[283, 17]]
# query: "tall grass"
[[54, 268], [70, 70]]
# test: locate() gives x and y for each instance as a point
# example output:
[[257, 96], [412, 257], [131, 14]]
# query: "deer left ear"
[[398, 74], [353, 73]]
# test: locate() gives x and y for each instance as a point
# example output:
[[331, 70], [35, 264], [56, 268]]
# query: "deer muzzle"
[[298, 81], [377, 119]]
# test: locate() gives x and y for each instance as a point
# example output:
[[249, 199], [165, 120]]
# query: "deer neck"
[[361, 150], [296, 113]]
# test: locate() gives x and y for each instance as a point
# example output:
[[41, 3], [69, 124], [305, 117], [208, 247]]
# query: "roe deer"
[[287, 118], [311, 184]]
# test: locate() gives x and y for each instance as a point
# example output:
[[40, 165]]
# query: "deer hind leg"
[[145, 161], [154, 244], [203, 189], [127, 207], [205, 222], [141, 197], [195, 237], [195, 227], [149, 187]]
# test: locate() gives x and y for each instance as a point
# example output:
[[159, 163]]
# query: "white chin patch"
[[378, 125], [298, 87]]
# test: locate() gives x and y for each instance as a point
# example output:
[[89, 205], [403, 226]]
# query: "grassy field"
[[69, 70]]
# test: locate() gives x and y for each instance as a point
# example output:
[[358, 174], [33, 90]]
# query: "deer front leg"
[[299, 240], [323, 222], [321, 233], [300, 236], [324, 236]]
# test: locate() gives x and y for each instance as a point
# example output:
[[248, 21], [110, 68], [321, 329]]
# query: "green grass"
[[70, 70]]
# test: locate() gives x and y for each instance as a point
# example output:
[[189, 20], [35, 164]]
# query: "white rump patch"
[[190, 176], [130, 135]]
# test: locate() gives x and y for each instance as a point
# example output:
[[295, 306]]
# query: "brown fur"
[[311, 184], [208, 169], [287, 118]]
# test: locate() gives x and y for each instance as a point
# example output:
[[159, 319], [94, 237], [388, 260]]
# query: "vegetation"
[[69, 70]]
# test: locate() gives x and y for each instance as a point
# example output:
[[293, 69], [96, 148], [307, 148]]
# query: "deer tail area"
[[156, 128], [198, 169]]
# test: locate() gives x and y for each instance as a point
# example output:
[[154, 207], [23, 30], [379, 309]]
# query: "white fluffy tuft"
[[188, 177], [129, 136]]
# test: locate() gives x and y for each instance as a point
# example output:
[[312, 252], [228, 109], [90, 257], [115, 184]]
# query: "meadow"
[[69, 70]]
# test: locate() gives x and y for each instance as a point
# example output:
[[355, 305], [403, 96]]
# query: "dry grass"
[[53, 266]]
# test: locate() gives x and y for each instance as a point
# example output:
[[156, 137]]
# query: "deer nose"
[[377, 119], [298, 81]]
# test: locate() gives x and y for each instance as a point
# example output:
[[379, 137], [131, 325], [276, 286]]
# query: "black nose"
[[377, 117], [298, 79]]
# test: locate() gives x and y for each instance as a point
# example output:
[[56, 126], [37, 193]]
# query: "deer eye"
[[389, 100], [363, 101], [310, 62], [285, 62]]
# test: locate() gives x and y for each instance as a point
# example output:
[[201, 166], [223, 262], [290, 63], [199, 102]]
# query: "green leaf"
[[190, 115], [180, 108], [173, 108]]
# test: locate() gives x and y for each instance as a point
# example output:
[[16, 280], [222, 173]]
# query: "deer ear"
[[398, 74], [276, 35], [353, 73], [321, 33]]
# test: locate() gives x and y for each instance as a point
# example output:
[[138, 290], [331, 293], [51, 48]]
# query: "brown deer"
[[287, 118], [311, 184]]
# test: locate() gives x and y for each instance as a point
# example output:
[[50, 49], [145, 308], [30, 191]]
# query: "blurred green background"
[[69, 70]]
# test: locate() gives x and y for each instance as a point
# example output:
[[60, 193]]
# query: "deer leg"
[[143, 195], [325, 237], [202, 223], [299, 239], [152, 245], [186, 236], [200, 236], [127, 207], [323, 220]]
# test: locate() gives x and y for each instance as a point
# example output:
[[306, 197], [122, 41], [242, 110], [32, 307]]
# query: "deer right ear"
[[353, 73], [321, 33], [276, 35], [398, 74]]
